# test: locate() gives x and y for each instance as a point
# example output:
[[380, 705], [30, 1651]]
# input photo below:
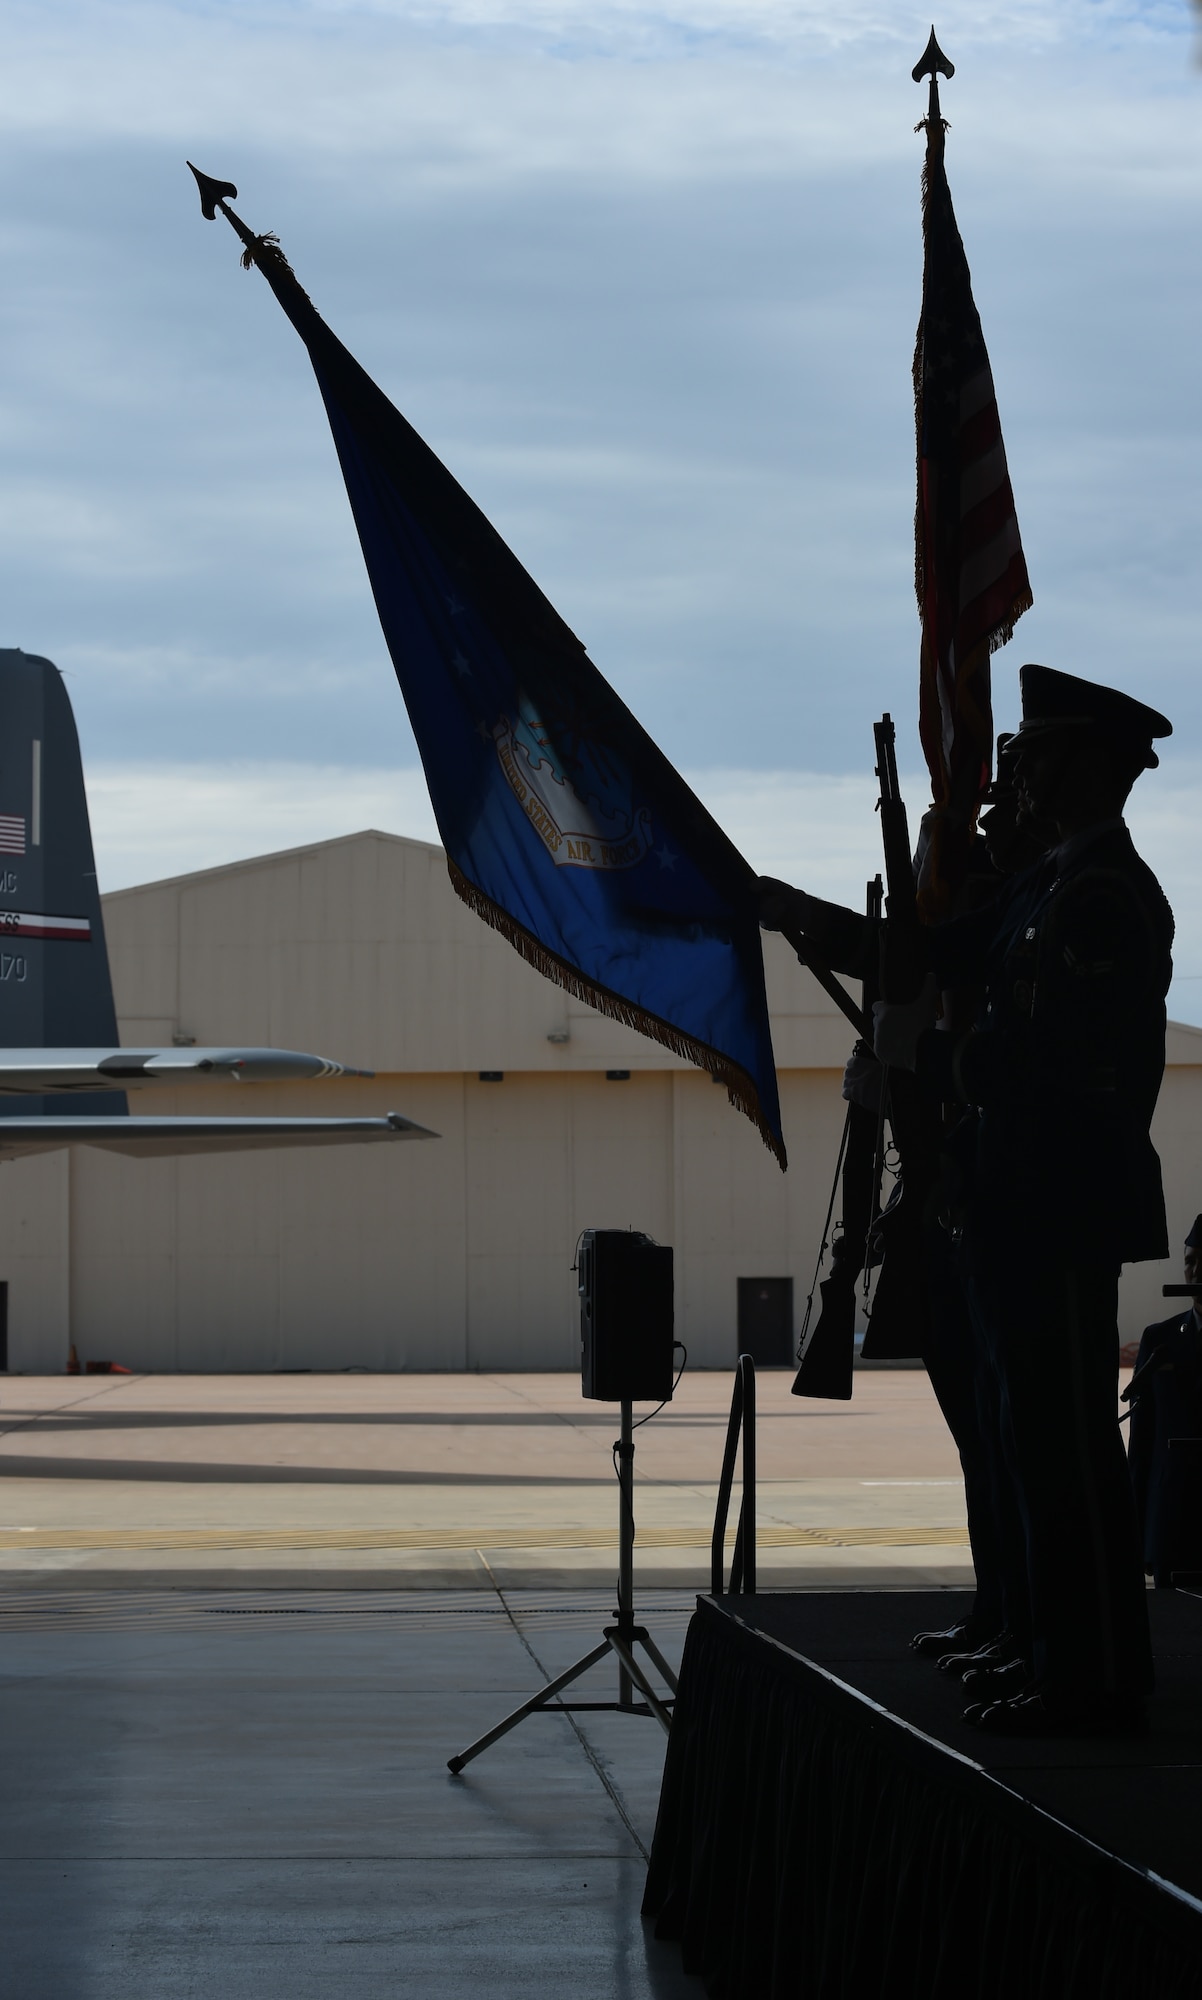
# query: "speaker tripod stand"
[[620, 1638]]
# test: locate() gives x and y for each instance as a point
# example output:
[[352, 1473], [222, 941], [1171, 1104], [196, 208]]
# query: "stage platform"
[[830, 1828]]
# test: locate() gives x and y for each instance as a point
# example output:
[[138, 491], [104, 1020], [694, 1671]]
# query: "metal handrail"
[[742, 1420]]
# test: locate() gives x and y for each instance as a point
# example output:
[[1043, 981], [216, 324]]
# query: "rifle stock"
[[827, 1363]]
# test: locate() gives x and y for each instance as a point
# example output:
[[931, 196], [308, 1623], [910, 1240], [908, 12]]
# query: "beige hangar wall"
[[452, 1253]]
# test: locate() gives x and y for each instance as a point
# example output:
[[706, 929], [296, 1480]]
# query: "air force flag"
[[564, 825]]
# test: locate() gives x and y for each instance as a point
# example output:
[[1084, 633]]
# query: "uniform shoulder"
[[1113, 896], [1113, 865], [1159, 1331]]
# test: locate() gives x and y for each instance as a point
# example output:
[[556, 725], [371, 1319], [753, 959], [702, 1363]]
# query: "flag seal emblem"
[[602, 828]]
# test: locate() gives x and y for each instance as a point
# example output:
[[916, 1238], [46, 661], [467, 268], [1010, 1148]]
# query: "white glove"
[[897, 1025], [863, 1079]]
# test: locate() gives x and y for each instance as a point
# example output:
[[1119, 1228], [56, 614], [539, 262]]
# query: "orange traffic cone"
[[72, 1360]]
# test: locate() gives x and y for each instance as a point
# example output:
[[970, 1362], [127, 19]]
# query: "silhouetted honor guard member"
[[1060, 1183], [1166, 1398], [959, 1371]]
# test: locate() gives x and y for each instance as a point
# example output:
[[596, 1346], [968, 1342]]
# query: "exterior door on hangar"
[[766, 1321]]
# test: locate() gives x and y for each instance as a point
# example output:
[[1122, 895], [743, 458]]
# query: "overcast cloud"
[[646, 278]]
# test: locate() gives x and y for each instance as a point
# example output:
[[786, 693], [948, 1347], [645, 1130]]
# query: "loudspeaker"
[[626, 1346]]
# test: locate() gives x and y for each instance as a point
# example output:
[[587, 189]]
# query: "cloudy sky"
[[646, 278]]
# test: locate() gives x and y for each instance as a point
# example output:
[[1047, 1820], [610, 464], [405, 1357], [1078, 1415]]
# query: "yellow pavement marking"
[[770, 1535]]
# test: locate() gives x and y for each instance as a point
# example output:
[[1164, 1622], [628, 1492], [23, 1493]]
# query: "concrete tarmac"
[[454, 1481], [244, 1621], [228, 1797]]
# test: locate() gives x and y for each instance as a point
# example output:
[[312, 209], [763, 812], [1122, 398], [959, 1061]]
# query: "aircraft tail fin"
[[55, 986]]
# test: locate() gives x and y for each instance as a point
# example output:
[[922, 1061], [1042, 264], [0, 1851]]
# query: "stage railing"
[[742, 1424]]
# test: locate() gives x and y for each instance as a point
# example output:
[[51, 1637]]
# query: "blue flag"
[[565, 827]]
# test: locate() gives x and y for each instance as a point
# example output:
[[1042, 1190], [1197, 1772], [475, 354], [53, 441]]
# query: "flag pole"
[[970, 574], [263, 249], [484, 660]]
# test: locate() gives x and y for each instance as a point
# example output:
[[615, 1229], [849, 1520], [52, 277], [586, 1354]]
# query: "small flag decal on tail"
[[12, 833]]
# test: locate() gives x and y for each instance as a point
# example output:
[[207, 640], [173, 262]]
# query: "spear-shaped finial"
[[932, 63], [213, 193], [213, 197], [261, 250]]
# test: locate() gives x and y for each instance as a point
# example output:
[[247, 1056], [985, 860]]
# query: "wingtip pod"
[[279, 1066]]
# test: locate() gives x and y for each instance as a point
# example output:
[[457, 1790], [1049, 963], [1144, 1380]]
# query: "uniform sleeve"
[[849, 943]]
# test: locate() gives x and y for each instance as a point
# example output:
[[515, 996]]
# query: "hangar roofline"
[[1184, 1039], [275, 854]]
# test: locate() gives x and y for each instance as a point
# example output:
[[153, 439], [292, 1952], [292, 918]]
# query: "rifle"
[[901, 966], [900, 1323], [828, 1356]]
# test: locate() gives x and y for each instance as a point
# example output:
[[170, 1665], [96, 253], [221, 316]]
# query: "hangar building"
[[453, 1253]]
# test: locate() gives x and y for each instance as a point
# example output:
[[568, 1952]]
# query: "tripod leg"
[[539, 1700], [633, 1672], [649, 1646]]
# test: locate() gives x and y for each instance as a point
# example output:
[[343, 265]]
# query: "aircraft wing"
[[167, 1138], [47, 1072]]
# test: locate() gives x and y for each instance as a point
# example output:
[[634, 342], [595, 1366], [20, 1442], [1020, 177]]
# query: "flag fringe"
[[1002, 634], [267, 251], [739, 1087], [264, 252]]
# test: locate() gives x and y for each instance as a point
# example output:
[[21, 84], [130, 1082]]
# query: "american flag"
[[969, 569], [12, 833]]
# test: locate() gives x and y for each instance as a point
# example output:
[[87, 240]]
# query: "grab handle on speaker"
[[742, 1423]]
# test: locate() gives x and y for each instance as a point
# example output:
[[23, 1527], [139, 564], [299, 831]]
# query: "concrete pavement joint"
[[105, 1386], [615, 1799]]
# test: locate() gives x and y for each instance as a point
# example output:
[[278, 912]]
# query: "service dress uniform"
[[1058, 1186], [1061, 1187]]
